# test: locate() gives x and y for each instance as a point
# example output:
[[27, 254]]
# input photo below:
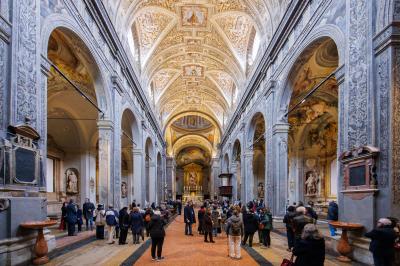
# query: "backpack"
[[236, 228], [110, 218]]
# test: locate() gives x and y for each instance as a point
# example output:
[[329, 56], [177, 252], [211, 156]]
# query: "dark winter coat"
[[299, 222], [250, 221], [88, 209], [309, 252], [79, 217], [200, 217], [124, 219], [207, 223], [266, 220], [156, 227], [288, 220], [215, 218], [71, 213], [382, 241], [333, 211], [189, 215], [137, 222]]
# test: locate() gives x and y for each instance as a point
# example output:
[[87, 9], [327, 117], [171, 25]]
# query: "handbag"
[[287, 262], [261, 226]]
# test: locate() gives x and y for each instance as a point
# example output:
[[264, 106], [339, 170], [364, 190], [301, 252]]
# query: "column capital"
[[105, 125], [280, 128], [137, 152]]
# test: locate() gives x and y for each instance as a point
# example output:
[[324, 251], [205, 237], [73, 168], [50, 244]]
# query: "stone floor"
[[178, 250]]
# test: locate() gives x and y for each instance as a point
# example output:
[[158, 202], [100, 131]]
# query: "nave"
[[179, 250]]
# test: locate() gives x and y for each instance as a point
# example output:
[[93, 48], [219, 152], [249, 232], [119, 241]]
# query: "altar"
[[192, 184]]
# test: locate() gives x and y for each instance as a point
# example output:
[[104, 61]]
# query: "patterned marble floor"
[[179, 250]]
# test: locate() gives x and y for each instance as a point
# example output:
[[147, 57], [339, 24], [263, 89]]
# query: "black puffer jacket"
[[156, 226], [250, 221], [309, 252], [382, 241]]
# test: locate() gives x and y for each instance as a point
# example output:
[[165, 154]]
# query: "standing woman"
[[383, 238], [208, 226], [157, 234], [123, 225], [200, 217], [310, 249], [137, 224], [234, 230], [63, 216], [267, 227], [100, 221]]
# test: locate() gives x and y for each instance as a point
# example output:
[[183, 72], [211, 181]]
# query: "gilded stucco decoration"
[[195, 55]]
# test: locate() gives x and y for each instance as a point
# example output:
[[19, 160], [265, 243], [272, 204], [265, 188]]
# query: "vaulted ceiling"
[[195, 55]]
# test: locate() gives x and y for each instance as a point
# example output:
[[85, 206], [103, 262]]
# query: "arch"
[[237, 162], [177, 116], [236, 151], [150, 181], [131, 127], [318, 35], [66, 24], [192, 140], [312, 137], [71, 116], [225, 165], [255, 179], [252, 126]]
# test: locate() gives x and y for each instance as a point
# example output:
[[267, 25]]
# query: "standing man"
[[333, 215], [179, 205], [189, 217], [111, 221], [88, 209], [72, 218]]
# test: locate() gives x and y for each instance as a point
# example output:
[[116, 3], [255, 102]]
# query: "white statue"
[[192, 179], [124, 190], [311, 183], [72, 180]]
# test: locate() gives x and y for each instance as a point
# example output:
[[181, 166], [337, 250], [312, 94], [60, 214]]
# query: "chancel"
[[133, 120]]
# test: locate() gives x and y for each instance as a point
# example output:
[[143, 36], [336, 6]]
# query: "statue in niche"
[[260, 190], [311, 184], [192, 179], [124, 190], [71, 175]]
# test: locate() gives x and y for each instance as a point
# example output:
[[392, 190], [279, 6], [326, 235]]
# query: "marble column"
[[269, 97], [170, 177], [214, 180], [234, 181], [152, 181], [138, 188], [248, 178], [280, 181], [105, 185]]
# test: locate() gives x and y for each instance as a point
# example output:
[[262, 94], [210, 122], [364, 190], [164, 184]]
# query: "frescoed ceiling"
[[195, 55]]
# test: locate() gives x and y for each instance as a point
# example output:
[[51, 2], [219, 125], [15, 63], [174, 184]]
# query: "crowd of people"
[[149, 222], [305, 241], [239, 222]]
